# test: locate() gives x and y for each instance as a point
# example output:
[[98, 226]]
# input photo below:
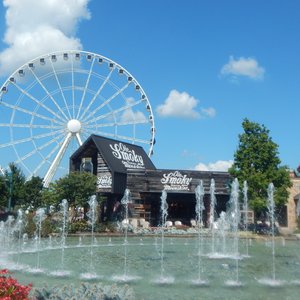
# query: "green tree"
[[256, 161], [76, 187], [16, 183], [33, 192], [4, 192]]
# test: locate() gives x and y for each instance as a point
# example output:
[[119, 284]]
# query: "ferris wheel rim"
[[62, 117]]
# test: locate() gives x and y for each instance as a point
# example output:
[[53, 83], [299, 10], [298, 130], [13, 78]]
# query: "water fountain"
[[212, 215], [234, 221], [177, 261], [223, 228], [19, 228], [39, 217], [163, 279], [125, 277], [64, 212], [217, 227], [92, 218], [271, 217], [199, 192], [245, 219]]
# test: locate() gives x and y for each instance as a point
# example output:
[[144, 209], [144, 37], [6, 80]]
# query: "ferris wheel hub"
[[74, 126]]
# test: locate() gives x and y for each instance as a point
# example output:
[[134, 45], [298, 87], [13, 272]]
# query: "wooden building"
[[120, 165]]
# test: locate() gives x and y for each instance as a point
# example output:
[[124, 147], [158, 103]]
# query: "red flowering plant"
[[11, 289]]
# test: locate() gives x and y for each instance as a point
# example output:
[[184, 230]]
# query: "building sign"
[[127, 156], [104, 182], [176, 181]]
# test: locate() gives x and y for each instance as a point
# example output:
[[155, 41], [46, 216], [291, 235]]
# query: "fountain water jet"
[[245, 219], [163, 279], [234, 217], [199, 191], [92, 218], [125, 201], [271, 216], [212, 214], [19, 228], [39, 217], [64, 210], [222, 225]]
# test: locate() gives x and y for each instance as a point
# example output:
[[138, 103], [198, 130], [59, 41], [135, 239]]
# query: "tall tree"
[[256, 161], [33, 192], [4, 192], [76, 187], [15, 180]]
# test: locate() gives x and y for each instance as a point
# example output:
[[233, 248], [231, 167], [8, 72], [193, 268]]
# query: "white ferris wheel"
[[52, 104]]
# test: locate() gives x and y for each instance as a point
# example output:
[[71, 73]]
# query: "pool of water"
[[171, 273]]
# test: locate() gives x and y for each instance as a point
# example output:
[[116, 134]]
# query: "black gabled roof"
[[119, 156]]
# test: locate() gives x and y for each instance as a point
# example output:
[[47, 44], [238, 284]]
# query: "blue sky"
[[222, 61]]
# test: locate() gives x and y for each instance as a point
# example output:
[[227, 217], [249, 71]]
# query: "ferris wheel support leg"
[[78, 139], [49, 175]]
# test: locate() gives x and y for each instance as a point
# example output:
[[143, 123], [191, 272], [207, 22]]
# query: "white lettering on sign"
[[128, 156], [176, 181], [104, 182]]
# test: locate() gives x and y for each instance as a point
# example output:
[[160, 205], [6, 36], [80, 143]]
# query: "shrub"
[[78, 226], [11, 289], [85, 291], [106, 227], [48, 226]]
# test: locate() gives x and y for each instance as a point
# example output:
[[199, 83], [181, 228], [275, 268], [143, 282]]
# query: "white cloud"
[[208, 112], [219, 165], [35, 27], [183, 105], [132, 116], [242, 66]]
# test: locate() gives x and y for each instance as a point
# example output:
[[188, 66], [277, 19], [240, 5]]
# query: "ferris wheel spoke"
[[73, 88], [123, 108], [47, 92], [28, 126], [88, 131], [16, 142], [40, 103], [84, 135], [31, 113], [50, 142], [61, 91], [128, 138], [118, 124], [46, 158], [85, 88], [131, 139], [29, 154], [52, 170], [107, 101], [97, 93]]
